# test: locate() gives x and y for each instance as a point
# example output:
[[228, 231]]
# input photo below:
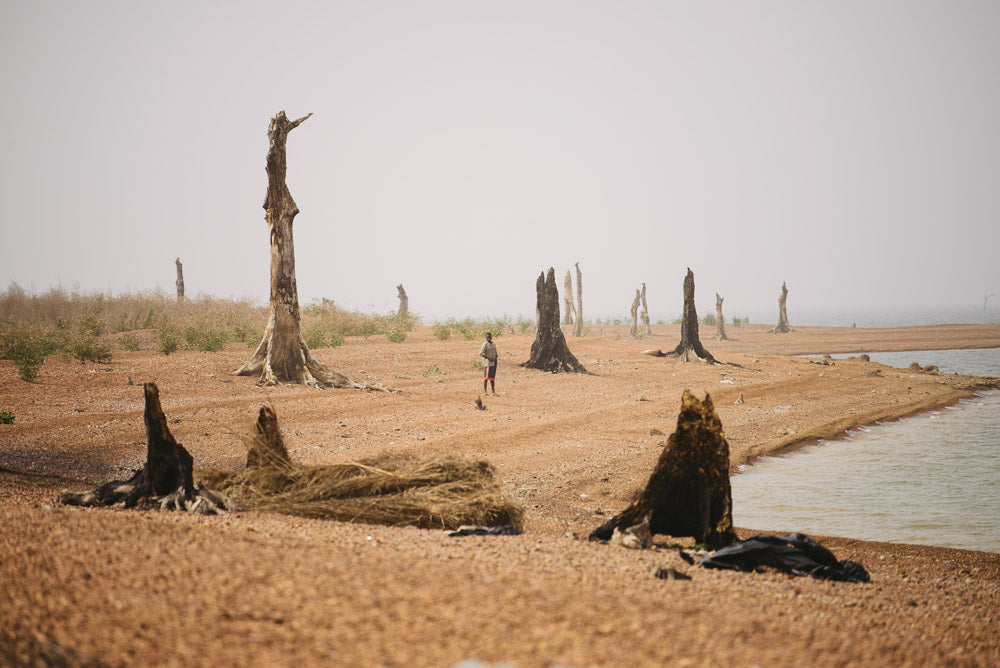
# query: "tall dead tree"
[[782, 327], [578, 316], [720, 322], [404, 302], [569, 318], [635, 316], [688, 493], [645, 312], [180, 280], [283, 356], [549, 351]]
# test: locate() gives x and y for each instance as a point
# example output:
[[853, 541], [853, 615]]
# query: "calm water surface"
[[932, 479]]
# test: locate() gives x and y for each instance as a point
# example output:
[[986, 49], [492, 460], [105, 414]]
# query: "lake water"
[[931, 479]]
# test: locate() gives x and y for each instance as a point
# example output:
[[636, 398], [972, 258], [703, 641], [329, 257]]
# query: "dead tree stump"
[[549, 351], [404, 302], [782, 327], [180, 280], [645, 312], [569, 318], [634, 331], [688, 493], [690, 343], [165, 479], [578, 316], [720, 322], [283, 356]]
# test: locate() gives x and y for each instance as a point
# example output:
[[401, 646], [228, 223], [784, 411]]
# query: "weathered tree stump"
[[166, 478], [688, 493], [645, 312], [720, 321], [569, 318], [634, 331], [578, 316], [549, 351], [283, 356], [180, 280], [404, 302], [782, 327], [690, 343]]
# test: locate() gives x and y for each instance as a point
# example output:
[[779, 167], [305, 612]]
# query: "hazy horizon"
[[849, 149]]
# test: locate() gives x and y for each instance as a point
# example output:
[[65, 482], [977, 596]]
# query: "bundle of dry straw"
[[395, 490]]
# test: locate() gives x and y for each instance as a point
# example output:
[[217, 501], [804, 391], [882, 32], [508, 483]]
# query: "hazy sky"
[[851, 149]]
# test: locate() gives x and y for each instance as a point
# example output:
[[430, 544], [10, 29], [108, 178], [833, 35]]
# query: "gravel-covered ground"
[[115, 587]]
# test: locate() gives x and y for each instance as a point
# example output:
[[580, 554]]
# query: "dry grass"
[[391, 489], [394, 490]]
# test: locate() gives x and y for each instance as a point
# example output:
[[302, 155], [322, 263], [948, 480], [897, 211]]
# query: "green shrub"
[[708, 319], [314, 338], [441, 332], [168, 342], [206, 340], [335, 339], [130, 342], [396, 335], [6, 417], [741, 321], [27, 348], [89, 349], [431, 370]]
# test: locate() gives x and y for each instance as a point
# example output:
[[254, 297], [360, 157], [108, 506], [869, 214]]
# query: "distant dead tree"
[[569, 318], [549, 351], [283, 355], [635, 316], [720, 322], [180, 280], [404, 302], [690, 343], [782, 327], [578, 316], [688, 493], [986, 298], [645, 311]]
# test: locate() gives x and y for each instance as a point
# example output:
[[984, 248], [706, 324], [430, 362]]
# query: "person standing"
[[488, 353]]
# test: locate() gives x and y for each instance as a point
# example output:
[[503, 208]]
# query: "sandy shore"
[[115, 587]]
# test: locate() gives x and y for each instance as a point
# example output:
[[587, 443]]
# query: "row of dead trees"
[[283, 356]]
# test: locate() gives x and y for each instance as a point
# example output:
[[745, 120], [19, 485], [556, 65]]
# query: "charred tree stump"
[[645, 312], [549, 351], [635, 316], [404, 302], [180, 280], [690, 343], [720, 322], [578, 316], [165, 479], [283, 356], [688, 493], [569, 318], [782, 327]]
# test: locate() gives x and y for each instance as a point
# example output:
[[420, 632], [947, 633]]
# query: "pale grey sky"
[[851, 149]]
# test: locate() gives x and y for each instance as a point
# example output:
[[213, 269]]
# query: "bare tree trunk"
[[689, 493], [645, 311], [690, 343], [720, 322], [166, 478], [578, 316], [782, 327], [283, 356], [404, 302], [549, 351], [635, 316], [180, 280], [569, 318]]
